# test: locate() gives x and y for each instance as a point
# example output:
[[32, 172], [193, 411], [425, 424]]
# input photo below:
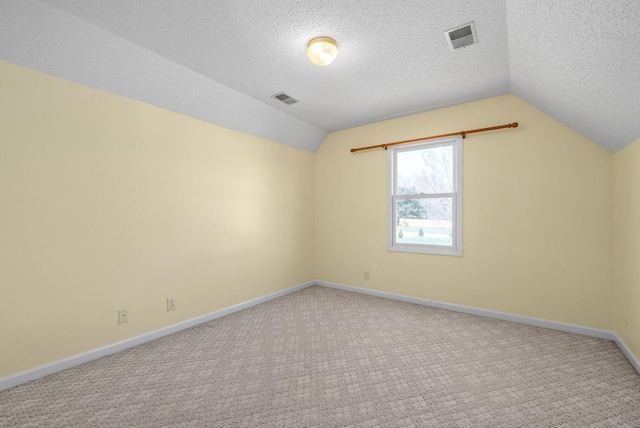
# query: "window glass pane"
[[427, 221], [428, 170]]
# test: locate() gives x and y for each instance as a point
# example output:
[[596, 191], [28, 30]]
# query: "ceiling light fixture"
[[322, 50]]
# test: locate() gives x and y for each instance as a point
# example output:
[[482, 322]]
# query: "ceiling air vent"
[[461, 36], [284, 98]]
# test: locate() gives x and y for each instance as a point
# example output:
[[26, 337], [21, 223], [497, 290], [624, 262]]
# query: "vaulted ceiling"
[[220, 61]]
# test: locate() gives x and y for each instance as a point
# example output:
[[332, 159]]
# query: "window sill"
[[425, 250]]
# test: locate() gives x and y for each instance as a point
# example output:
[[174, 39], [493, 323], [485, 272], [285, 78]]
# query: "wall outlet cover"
[[123, 316]]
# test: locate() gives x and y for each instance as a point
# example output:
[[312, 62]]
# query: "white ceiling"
[[220, 61]]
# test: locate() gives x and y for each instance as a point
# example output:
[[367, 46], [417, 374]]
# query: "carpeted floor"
[[327, 358]]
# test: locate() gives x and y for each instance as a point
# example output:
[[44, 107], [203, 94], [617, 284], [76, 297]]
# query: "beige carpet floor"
[[321, 357]]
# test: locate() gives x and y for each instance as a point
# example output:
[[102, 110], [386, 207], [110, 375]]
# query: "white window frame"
[[456, 248]]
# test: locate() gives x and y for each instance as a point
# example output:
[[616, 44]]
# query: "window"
[[425, 203]]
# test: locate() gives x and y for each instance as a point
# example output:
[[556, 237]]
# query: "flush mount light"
[[322, 50]]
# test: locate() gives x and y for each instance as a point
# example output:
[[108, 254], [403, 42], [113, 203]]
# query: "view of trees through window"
[[425, 186]]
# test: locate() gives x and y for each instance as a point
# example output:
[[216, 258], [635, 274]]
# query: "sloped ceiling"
[[220, 61], [579, 62]]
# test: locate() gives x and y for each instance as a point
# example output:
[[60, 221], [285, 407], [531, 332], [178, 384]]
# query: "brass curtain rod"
[[463, 133]]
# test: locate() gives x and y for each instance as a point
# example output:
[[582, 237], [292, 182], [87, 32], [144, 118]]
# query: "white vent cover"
[[461, 36], [284, 98]]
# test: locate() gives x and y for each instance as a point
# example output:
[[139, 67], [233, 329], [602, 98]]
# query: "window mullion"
[[426, 196]]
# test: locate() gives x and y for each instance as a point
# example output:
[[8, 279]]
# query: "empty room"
[[278, 213]]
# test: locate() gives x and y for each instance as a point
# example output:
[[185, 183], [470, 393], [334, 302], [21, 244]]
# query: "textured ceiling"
[[578, 61]]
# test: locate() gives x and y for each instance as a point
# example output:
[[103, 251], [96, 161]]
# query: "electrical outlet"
[[171, 304], [626, 321], [123, 316], [366, 274]]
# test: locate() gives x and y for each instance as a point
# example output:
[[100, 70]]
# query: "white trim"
[[455, 249], [635, 361], [76, 360], [554, 325], [537, 322]]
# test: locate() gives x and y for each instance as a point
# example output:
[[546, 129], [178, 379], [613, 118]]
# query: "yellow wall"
[[537, 216], [626, 203], [109, 203]]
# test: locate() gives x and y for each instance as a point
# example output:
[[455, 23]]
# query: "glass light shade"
[[322, 50]]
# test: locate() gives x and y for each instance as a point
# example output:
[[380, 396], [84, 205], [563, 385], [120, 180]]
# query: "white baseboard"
[[57, 366], [569, 328], [76, 360], [635, 361]]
